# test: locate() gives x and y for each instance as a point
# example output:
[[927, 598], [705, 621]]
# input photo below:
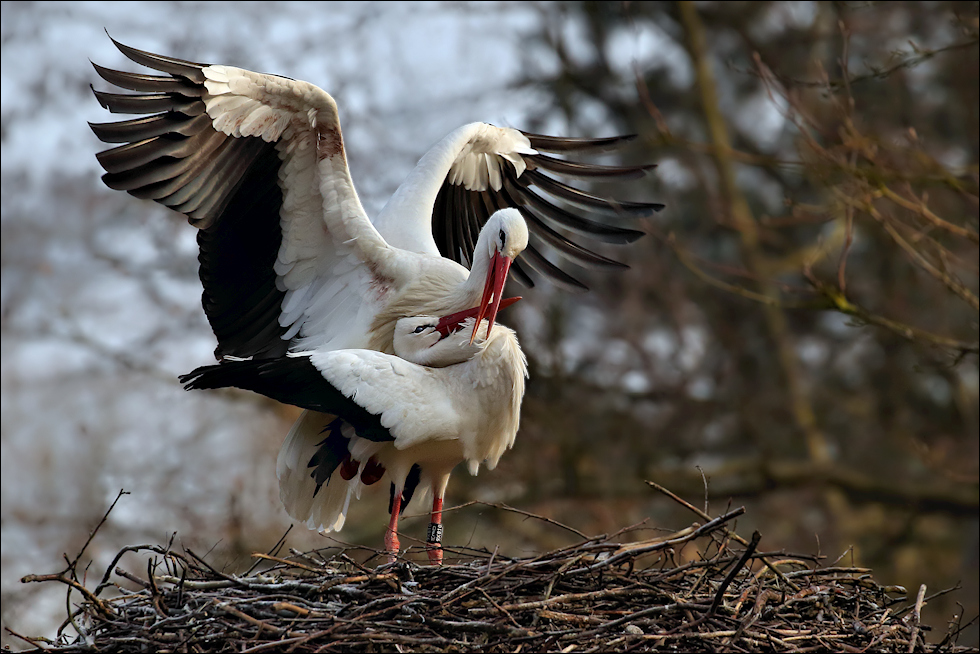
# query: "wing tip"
[[632, 236], [575, 144], [182, 67]]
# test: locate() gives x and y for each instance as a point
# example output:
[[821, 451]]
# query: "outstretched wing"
[[508, 176], [248, 158]]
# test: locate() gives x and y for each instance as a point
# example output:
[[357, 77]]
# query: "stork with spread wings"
[[289, 258]]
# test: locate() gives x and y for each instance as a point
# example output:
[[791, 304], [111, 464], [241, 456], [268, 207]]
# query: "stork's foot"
[[434, 544]]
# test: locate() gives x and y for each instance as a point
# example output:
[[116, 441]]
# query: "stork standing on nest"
[[443, 399], [290, 261]]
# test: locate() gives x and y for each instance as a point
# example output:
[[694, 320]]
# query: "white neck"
[[469, 293], [447, 352]]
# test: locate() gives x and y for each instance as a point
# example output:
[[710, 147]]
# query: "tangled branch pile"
[[703, 588]]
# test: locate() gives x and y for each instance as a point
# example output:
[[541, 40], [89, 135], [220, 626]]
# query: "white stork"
[[290, 261], [447, 399]]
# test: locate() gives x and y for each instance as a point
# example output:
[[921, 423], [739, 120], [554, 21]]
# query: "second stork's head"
[[502, 239], [440, 342], [428, 341]]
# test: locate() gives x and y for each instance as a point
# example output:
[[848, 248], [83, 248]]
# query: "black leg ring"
[[435, 534]]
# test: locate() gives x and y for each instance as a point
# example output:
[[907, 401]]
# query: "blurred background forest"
[[799, 326]]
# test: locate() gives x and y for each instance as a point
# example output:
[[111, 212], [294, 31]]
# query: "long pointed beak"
[[452, 323], [493, 289]]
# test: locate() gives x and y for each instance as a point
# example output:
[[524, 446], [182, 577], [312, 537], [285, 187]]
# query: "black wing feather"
[[566, 219], [148, 103], [290, 380], [178, 67], [589, 202], [459, 214], [565, 144], [226, 186], [567, 248], [536, 262], [578, 170], [138, 129], [149, 83], [330, 452]]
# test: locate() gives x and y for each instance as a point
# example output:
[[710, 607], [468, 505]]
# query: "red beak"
[[453, 322], [492, 288]]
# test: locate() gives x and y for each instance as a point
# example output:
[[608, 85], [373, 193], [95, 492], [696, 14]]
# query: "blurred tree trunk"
[[740, 216], [801, 323]]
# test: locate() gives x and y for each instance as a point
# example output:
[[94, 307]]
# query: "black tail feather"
[[330, 452]]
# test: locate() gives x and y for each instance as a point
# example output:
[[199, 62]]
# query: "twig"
[[845, 306], [908, 60], [922, 210], [483, 600], [88, 541], [505, 507], [720, 594], [269, 557], [705, 516], [33, 642], [917, 616], [271, 552], [662, 544], [72, 583]]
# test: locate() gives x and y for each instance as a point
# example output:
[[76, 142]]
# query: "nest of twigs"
[[703, 588]]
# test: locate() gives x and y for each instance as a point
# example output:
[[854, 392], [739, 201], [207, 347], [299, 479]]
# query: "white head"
[[423, 340], [508, 233], [502, 239]]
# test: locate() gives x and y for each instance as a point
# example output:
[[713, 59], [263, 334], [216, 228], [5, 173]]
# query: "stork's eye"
[[503, 238], [420, 329]]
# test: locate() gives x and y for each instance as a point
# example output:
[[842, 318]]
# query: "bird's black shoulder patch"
[[290, 380]]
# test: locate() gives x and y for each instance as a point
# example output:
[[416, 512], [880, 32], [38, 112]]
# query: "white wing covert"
[[413, 402]]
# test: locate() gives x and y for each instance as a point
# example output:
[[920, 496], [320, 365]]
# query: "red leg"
[[392, 545], [434, 539]]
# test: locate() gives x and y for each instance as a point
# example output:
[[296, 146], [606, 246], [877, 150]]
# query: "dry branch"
[[694, 590], [751, 477]]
